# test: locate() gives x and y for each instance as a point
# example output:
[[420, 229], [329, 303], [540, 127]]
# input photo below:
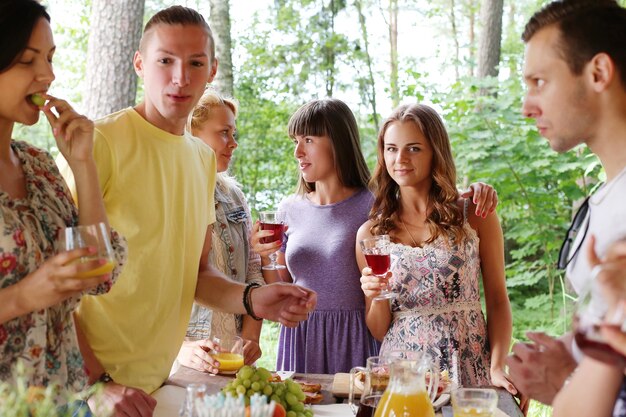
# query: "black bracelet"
[[247, 300]]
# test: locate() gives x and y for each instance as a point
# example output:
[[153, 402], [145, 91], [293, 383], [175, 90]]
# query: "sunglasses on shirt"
[[565, 254]]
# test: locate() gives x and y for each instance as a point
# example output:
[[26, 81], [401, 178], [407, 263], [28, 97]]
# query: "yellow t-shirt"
[[158, 192]]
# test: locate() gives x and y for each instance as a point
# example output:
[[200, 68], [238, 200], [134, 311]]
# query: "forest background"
[[464, 57]]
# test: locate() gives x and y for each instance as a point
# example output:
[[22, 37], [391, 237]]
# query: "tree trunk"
[[219, 20], [490, 38], [393, 43], [455, 37], [472, 38], [368, 59], [113, 40]]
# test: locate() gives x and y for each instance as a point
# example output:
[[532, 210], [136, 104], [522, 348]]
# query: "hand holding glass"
[[376, 251], [273, 220], [96, 236], [229, 353], [592, 314]]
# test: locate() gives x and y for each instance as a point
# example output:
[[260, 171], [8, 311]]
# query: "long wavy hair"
[[445, 217], [333, 118]]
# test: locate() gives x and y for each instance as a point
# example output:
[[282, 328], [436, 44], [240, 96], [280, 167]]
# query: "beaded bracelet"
[[247, 300]]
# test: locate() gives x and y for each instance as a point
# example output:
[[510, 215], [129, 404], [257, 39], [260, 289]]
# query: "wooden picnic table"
[[214, 383]]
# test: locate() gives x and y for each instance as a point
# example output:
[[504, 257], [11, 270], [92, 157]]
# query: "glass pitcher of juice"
[[407, 394]]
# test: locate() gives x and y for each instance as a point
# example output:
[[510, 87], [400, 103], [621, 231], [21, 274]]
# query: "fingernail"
[[55, 131]]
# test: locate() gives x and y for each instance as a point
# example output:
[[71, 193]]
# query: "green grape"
[[255, 386], [276, 399], [291, 414], [300, 396], [299, 414], [256, 377], [37, 99], [290, 398], [247, 383], [264, 374], [241, 389], [267, 390], [250, 393], [298, 407], [245, 372], [308, 413], [294, 388]]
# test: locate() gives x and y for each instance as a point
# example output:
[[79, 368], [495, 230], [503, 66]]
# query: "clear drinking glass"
[[376, 251], [474, 402], [94, 235], [371, 381], [229, 353], [194, 393], [275, 221]]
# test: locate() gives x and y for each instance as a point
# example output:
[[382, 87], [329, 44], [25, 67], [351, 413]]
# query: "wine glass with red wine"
[[274, 221], [592, 313], [376, 251]]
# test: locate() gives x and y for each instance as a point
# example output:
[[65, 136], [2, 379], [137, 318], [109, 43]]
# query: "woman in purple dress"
[[331, 202]]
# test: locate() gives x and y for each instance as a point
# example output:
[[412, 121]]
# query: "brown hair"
[[586, 27], [179, 15], [333, 118], [446, 217], [17, 21]]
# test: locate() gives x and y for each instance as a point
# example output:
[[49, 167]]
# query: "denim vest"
[[231, 254]]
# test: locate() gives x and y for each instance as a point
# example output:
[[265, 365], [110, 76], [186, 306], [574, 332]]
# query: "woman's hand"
[[484, 196], [371, 284], [73, 132], [499, 378], [263, 249], [57, 279], [195, 355], [251, 351]]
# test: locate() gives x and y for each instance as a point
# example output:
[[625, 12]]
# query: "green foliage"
[[17, 399]]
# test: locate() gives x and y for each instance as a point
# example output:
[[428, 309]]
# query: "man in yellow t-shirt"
[[158, 185]]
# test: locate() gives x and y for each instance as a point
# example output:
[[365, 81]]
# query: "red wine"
[[278, 229], [378, 263], [594, 346], [367, 406]]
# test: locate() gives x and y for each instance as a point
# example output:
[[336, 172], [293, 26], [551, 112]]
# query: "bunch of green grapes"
[[250, 380]]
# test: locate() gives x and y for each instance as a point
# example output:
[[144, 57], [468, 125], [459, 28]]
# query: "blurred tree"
[[114, 38], [490, 38], [219, 19]]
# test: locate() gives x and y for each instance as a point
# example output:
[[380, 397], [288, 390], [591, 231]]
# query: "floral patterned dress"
[[438, 309], [44, 340]]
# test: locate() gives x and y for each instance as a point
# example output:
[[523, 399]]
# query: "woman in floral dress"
[[40, 288], [440, 248]]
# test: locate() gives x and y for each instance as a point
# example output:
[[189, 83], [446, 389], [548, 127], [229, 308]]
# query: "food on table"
[[380, 380], [250, 380]]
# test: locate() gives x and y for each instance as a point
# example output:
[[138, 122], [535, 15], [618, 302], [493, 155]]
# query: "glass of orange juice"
[[474, 402], [95, 235], [229, 353]]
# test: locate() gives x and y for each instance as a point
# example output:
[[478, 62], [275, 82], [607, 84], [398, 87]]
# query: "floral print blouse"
[[44, 340]]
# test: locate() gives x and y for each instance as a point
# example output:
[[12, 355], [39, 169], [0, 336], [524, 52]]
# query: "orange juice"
[[96, 272], [404, 404], [229, 362], [471, 412]]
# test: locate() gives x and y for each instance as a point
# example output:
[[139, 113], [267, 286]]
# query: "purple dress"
[[319, 251]]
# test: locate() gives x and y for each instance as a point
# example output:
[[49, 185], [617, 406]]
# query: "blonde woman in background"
[[213, 121]]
